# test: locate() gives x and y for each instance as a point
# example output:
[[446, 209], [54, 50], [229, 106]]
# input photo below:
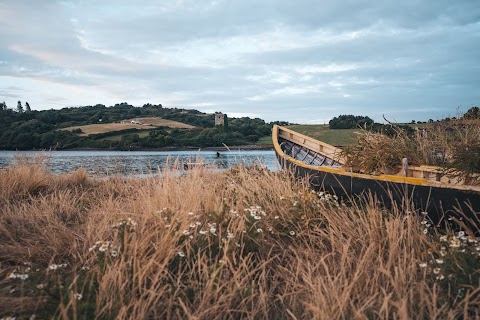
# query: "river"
[[135, 163]]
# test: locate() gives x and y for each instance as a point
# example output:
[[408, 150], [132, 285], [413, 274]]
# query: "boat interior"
[[307, 155]]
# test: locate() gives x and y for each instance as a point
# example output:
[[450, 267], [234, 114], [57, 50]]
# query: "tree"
[[19, 107], [3, 106], [349, 122], [27, 107]]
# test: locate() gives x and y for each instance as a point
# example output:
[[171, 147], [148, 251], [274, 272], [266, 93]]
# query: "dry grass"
[[158, 122], [377, 153], [147, 123], [454, 145], [194, 247]]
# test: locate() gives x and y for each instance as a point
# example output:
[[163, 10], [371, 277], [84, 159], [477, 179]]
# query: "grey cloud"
[[11, 92], [247, 56]]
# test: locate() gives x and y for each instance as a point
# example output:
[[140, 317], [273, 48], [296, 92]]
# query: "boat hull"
[[441, 203]]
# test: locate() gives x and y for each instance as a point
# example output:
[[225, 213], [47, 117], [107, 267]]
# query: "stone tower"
[[219, 119]]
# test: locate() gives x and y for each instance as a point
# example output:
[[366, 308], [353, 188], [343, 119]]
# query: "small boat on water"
[[427, 187]]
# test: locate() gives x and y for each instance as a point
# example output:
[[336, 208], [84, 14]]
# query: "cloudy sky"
[[303, 61]]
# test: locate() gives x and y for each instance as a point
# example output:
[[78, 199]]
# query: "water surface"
[[137, 162]]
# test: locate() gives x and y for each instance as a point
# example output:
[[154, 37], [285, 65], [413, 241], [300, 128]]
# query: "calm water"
[[136, 162]]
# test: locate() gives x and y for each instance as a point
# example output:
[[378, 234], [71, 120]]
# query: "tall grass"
[[453, 145], [243, 243]]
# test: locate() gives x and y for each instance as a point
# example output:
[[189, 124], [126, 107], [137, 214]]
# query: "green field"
[[322, 132], [264, 141], [336, 137]]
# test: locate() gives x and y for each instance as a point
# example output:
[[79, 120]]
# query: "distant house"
[[136, 122]]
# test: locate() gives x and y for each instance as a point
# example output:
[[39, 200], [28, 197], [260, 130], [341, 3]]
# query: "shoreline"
[[224, 149]]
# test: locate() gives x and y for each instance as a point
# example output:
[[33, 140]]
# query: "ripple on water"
[[136, 162]]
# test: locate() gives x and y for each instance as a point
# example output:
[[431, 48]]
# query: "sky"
[[303, 61]]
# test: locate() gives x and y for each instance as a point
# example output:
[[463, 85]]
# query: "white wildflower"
[[472, 239], [454, 244], [22, 276], [129, 222]]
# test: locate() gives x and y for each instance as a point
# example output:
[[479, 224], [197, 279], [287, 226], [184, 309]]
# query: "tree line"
[[26, 129]]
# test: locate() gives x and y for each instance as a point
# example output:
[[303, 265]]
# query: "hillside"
[[101, 127], [146, 123]]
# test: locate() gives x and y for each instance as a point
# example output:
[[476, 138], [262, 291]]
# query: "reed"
[[243, 243]]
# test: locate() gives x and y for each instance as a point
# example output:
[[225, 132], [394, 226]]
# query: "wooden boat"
[[428, 188]]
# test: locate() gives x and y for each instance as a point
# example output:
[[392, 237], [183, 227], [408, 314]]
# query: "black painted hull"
[[440, 202]]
